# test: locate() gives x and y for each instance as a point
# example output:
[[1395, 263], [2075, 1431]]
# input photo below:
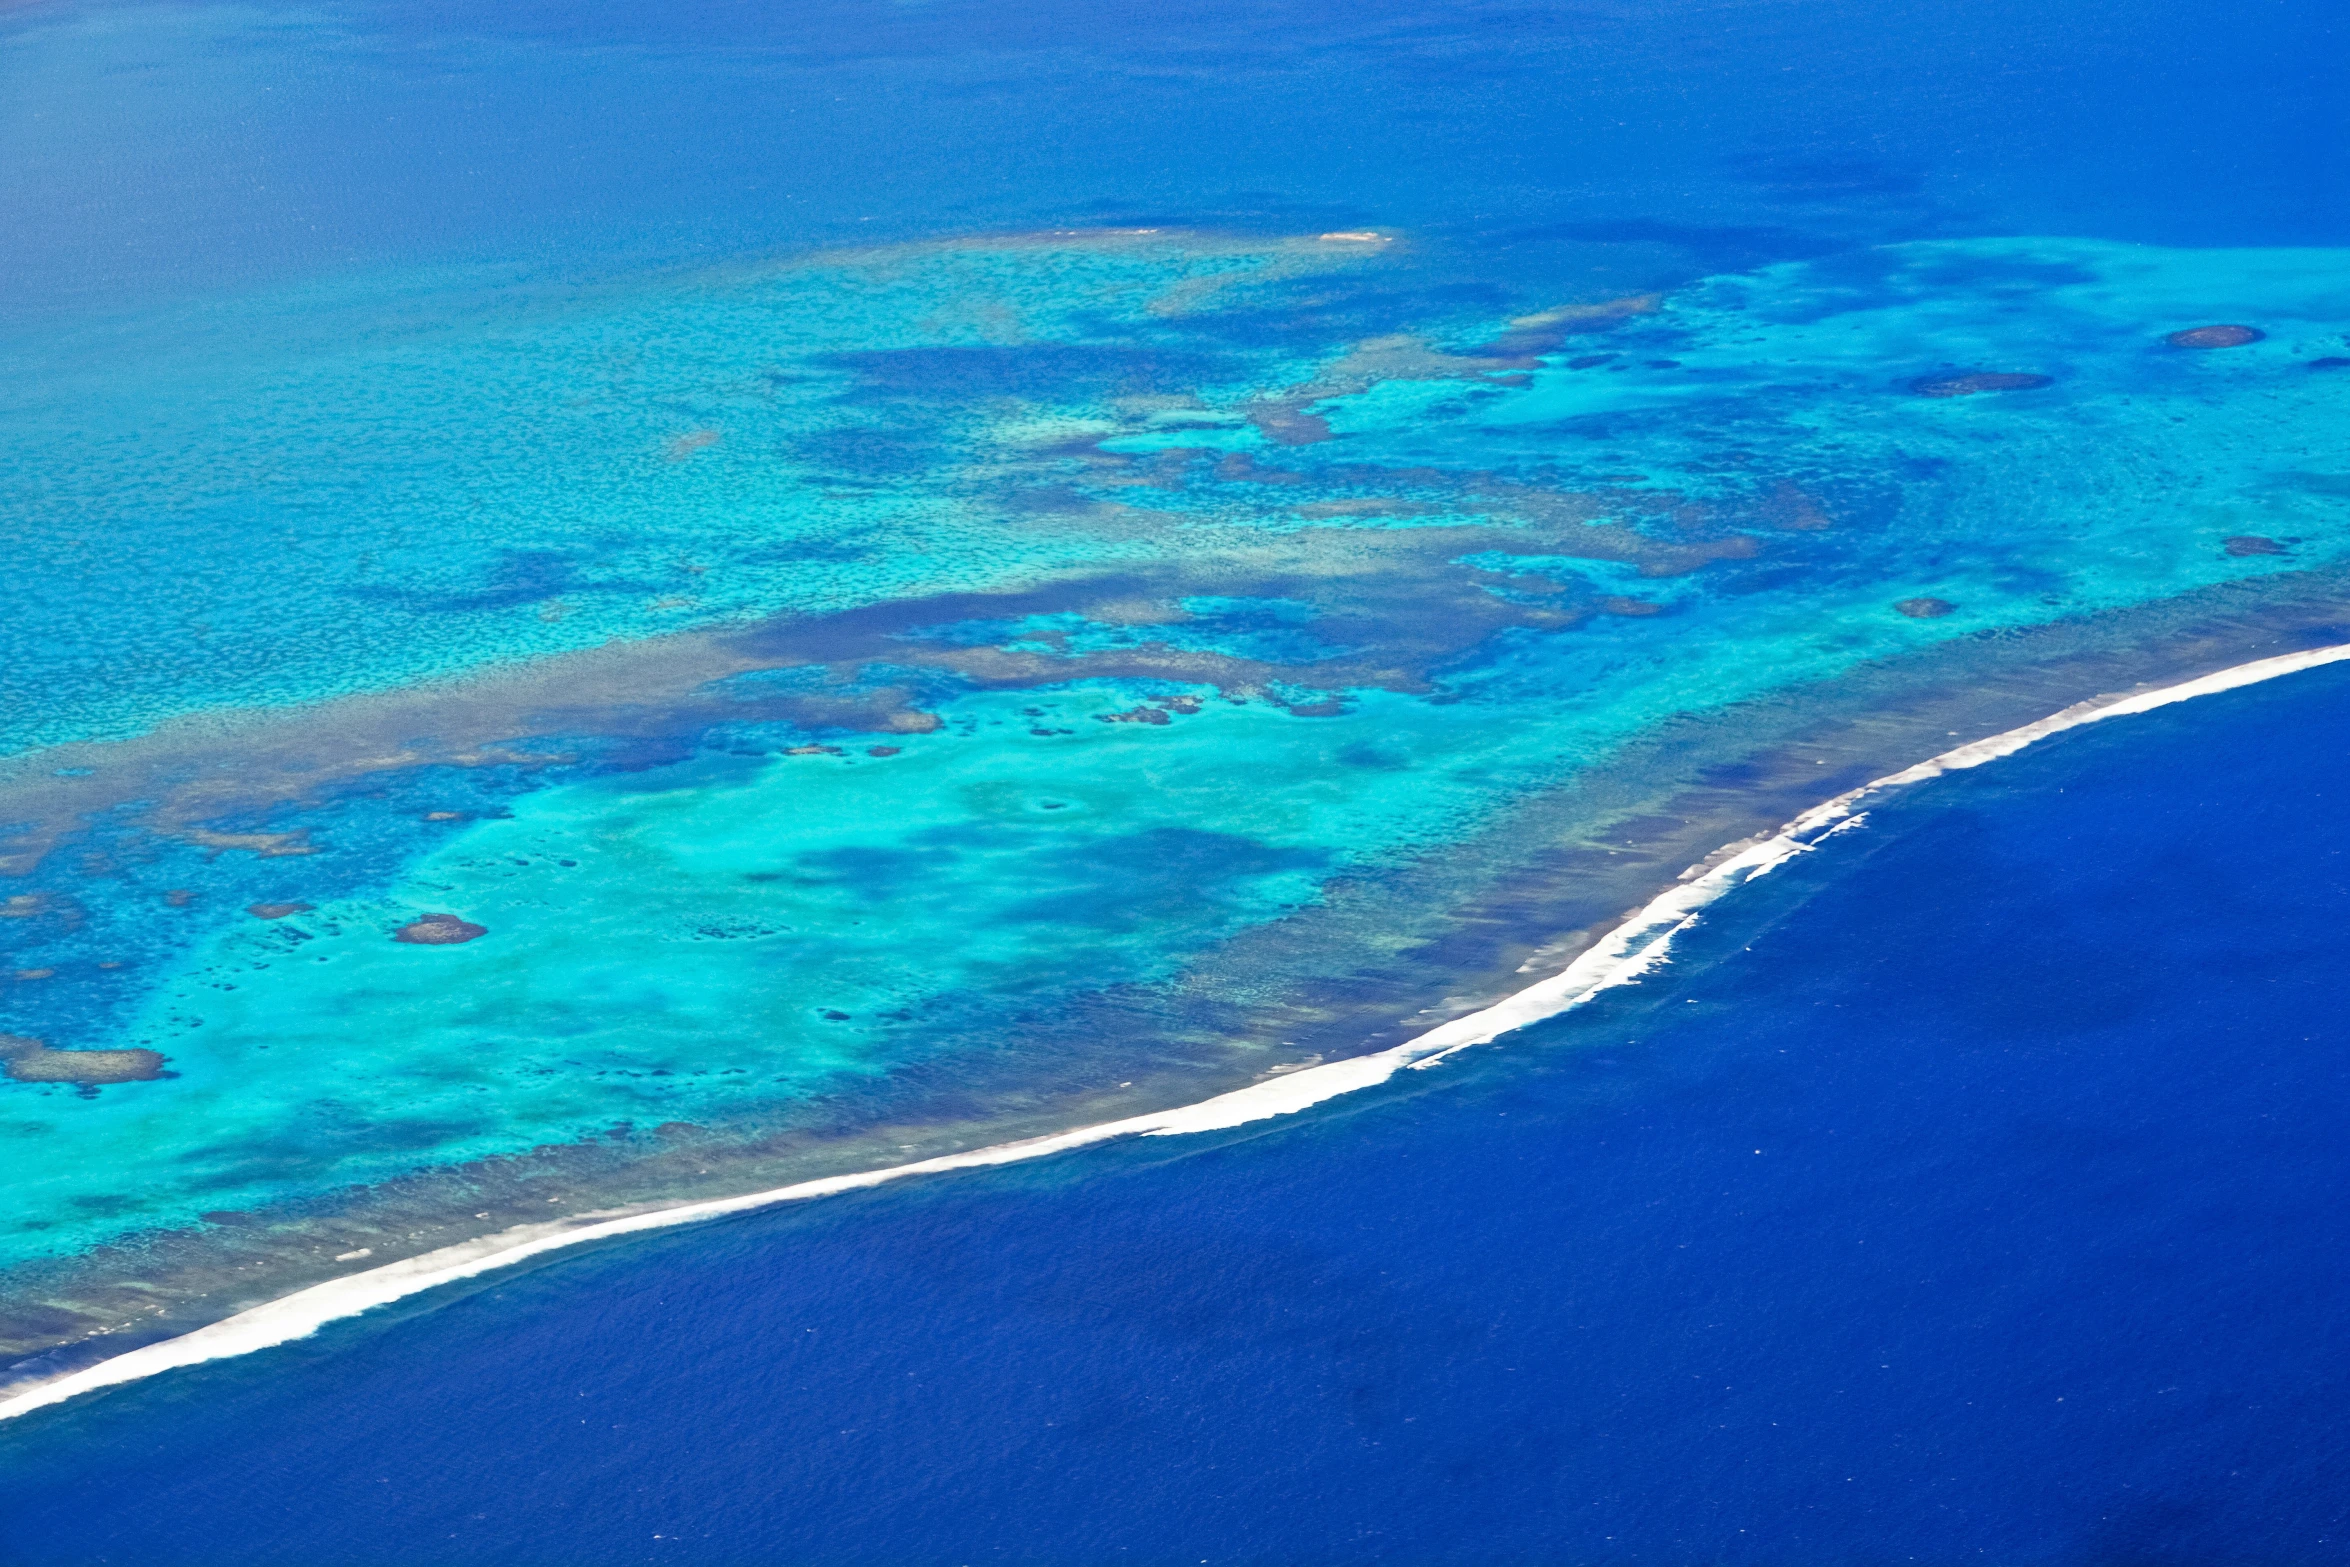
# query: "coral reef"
[[2228, 336], [439, 930]]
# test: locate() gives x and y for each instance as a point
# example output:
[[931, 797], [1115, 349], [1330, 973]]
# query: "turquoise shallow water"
[[741, 933], [1396, 586], [515, 474], [942, 674], [1952, 1193]]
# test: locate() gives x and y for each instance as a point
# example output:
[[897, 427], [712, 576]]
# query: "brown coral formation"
[[2254, 544], [1972, 382], [1791, 507], [1925, 608], [1545, 330], [32, 1061], [439, 930], [267, 845], [2226, 336], [1392, 605], [276, 911], [1288, 417], [1241, 468]]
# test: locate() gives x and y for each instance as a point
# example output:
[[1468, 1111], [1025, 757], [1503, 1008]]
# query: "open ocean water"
[[612, 608], [1971, 1189]]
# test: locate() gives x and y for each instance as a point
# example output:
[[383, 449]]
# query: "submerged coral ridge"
[[891, 690]]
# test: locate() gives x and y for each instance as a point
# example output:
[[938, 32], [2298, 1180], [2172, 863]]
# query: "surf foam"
[[1633, 948]]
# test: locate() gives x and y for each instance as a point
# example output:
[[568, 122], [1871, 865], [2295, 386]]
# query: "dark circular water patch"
[[1925, 609], [2215, 337], [1968, 383], [2254, 544]]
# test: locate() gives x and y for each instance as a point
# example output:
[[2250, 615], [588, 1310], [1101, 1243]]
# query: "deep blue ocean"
[[189, 146], [911, 568], [1972, 1189]]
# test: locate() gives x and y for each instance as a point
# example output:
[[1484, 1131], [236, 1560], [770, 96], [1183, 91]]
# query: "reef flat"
[[836, 710]]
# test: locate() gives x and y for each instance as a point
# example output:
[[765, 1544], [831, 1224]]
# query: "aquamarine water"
[[928, 673], [1949, 1194]]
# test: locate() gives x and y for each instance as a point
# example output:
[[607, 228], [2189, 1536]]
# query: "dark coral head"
[[33, 1061], [1968, 383], [2227, 336], [439, 930], [1925, 608]]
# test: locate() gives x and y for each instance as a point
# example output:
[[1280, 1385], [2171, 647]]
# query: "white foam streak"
[[1631, 949]]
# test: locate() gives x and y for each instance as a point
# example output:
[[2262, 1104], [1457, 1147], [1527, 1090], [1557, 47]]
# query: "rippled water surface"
[[908, 575]]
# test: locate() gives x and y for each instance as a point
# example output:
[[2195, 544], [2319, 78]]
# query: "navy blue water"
[[1973, 1189], [1738, 132]]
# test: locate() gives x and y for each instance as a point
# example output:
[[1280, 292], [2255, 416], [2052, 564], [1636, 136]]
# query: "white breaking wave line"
[[1630, 950]]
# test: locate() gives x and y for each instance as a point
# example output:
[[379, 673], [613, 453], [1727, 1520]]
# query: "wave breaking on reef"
[[1632, 948]]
